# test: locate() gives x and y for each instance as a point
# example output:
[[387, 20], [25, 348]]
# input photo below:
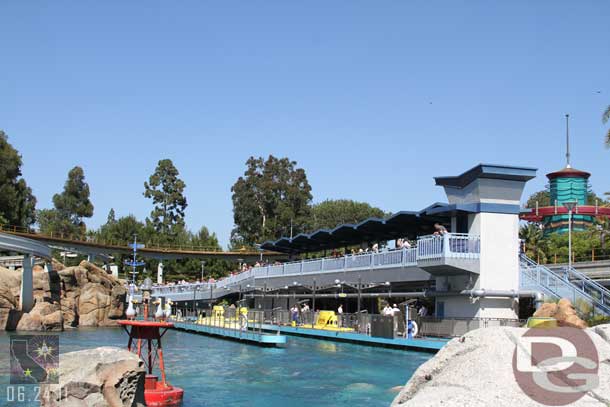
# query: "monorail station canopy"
[[404, 224]]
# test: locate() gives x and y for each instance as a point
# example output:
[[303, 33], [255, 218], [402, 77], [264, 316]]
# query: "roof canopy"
[[493, 171], [402, 224]]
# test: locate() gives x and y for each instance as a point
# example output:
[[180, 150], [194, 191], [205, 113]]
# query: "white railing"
[[434, 247]]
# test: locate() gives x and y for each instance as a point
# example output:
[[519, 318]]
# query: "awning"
[[404, 224]]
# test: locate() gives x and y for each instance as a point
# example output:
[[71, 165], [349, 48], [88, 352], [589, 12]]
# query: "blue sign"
[[137, 245], [134, 263]]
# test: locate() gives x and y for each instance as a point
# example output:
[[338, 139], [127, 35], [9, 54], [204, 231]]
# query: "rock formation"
[[563, 312], [110, 377], [477, 370], [83, 295]]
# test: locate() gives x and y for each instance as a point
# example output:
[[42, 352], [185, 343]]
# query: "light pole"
[[202, 268], [570, 205]]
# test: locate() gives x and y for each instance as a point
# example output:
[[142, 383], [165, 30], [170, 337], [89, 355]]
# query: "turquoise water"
[[308, 372]]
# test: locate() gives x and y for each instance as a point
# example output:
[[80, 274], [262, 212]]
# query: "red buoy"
[[156, 393]]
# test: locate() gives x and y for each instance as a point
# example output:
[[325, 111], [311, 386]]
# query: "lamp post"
[[202, 268], [570, 205]]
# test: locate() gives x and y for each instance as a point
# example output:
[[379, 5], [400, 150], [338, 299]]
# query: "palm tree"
[[535, 244], [605, 118]]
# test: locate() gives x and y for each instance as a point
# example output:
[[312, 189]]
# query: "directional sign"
[[134, 263], [137, 245]]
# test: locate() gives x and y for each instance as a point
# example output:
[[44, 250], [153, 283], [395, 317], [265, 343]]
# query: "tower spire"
[[568, 141]]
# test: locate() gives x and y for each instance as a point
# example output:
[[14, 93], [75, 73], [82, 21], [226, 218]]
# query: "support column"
[[26, 299]]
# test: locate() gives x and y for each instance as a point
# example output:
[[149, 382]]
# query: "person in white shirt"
[[423, 311], [340, 309], [395, 310], [387, 310]]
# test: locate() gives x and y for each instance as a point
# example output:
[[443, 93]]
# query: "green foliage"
[[17, 203], [542, 197], [271, 197], [71, 206], [582, 245], [167, 193], [331, 213], [535, 243], [598, 320]]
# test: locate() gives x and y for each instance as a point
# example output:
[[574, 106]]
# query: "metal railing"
[[453, 245], [230, 319], [450, 245], [578, 288]]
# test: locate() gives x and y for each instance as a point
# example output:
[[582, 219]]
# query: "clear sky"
[[371, 98]]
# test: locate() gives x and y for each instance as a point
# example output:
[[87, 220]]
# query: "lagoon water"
[[215, 372]]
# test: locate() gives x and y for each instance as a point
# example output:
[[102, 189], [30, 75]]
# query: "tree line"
[[272, 199]]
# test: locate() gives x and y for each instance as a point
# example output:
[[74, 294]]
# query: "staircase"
[[567, 283]]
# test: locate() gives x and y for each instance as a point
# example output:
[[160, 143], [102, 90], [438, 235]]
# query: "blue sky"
[[372, 99]]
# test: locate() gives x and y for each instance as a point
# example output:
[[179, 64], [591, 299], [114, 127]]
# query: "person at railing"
[[439, 229], [376, 248]]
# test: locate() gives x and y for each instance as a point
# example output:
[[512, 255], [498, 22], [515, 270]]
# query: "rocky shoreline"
[[66, 297]]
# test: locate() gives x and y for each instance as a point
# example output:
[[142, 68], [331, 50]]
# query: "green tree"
[[602, 229], [121, 231], [17, 203], [330, 213], [535, 243], [271, 199], [605, 119], [167, 193], [542, 197], [111, 218], [71, 206]]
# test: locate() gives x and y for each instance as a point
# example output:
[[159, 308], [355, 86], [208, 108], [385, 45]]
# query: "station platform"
[[427, 345], [247, 336]]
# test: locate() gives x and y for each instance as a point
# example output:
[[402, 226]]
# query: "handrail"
[[562, 286], [453, 245]]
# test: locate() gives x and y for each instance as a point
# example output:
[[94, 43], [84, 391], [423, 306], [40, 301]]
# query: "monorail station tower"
[[484, 201], [568, 185]]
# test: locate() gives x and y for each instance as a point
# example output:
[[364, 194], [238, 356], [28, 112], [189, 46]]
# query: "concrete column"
[[26, 300]]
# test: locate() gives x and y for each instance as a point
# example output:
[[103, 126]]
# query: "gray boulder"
[[100, 377], [476, 370]]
